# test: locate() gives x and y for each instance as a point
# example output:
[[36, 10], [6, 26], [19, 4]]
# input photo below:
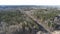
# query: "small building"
[[57, 22]]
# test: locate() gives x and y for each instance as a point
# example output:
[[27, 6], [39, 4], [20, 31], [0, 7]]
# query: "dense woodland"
[[47, 15], [16, 17]]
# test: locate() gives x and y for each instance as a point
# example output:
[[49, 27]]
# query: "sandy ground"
[[56, 32]]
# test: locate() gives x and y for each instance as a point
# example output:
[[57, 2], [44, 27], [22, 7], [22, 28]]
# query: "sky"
[[29, 2]]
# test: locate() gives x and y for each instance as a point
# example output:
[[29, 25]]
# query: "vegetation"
[[15, 18], [47, 15]]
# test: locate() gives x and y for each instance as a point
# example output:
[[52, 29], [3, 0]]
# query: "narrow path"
[[42, 26]]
